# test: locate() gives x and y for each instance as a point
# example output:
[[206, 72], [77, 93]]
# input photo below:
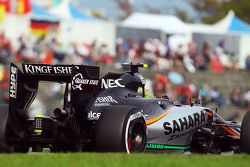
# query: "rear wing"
[[44, 72], [82, 80]]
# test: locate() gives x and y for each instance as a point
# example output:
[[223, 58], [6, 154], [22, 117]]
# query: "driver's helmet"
[[148, 94]]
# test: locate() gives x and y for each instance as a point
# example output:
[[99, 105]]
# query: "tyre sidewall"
[[112, 128], [245, 134], [130, 124]]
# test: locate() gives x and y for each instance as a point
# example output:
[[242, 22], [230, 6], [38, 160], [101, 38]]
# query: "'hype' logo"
[[13, 82]]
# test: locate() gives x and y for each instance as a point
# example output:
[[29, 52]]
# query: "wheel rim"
[[136, 136]]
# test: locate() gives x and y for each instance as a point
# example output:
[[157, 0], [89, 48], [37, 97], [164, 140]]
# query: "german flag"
[[42, 27]]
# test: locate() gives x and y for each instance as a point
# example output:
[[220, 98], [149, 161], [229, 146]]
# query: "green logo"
[[155, 146], [163, 147]]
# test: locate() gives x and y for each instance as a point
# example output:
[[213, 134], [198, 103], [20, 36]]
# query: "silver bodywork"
[[177, 126]]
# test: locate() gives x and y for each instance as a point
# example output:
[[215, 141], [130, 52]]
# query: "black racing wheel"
[[3, 122], [121, 129], [245, 134]]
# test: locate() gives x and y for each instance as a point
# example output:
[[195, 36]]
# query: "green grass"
[[122, 160]]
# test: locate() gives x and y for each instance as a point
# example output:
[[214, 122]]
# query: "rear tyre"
[[245, 134], [20, 149], [3, 122], [121, 129]]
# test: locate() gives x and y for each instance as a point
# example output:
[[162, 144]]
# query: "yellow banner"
[[1, 72], [20, 6], [2, 13]]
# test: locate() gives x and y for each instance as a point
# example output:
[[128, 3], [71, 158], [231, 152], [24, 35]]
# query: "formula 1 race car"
[[109, 114]]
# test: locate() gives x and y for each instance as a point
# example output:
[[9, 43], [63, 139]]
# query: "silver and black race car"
[[109, 114]]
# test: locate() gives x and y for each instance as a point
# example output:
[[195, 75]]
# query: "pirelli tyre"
[[121, 129], [245, 134]]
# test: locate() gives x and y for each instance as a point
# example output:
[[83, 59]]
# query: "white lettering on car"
[[111, 83], [106, 99], [93, 115], [46, 69], [136, 115], [13, 82], [78, 81]]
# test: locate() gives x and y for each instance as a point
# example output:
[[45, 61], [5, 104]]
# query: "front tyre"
[[121, 129], [245, 134]]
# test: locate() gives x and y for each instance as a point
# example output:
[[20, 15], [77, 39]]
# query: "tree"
[[240, 7], [181, 14], [213, 10], [126, 6], [208, 10]]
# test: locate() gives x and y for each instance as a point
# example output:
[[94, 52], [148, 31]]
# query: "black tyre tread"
[[245, 133], [20, 149], [108, 137], [3, 122]]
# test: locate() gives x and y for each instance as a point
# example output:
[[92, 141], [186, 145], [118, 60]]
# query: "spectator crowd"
[[159, 55], [184, 92], [48, 50], [156, 53]]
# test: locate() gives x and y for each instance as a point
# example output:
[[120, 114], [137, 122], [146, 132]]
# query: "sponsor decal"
[[111, 83], [78, 81], [164, 147], [172, 137], [46, 69], [102, 104], [104, 101], [136, 115], [184, 124], [108, 99], [93, 115], [13, 82]]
